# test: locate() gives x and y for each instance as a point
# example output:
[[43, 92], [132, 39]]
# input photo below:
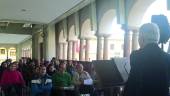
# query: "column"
[[69, 51], [87, 49], [127, 39], [18, 52], [7, 50], [65, 51], [74, 50], [99, 48], [106, 48], [51, 46], [60, 50], [168, 4], [134, 40], [35, 48], [169, 48], [81, 53]]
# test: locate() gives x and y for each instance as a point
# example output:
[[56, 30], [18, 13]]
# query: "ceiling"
[[32, 11], [39, 11], [13, 38]]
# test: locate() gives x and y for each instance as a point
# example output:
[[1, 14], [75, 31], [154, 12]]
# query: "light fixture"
[[4, 24], [27, 25]]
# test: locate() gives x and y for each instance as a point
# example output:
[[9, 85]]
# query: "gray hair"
[[148, 33]]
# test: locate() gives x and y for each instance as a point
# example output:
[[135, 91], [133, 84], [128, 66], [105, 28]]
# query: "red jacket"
[[12, 78]]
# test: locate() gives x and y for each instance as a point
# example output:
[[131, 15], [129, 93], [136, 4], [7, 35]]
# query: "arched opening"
[[3, 54], [12, 53], [156, 8], [116, 40], [87, 33]]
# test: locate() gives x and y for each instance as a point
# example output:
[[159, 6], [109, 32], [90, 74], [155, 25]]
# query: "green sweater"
[[61, 79]]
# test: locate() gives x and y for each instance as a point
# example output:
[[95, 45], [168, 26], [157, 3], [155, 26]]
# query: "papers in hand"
[[88, 82], [69, 88]]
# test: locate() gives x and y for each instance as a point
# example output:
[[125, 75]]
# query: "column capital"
[[125, 27], [88, 38], [98, 35], [134, 28], [62, 42], [70, 41], [106, 35]]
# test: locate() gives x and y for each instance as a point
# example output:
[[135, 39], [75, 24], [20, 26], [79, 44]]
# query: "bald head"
[[148, 33]]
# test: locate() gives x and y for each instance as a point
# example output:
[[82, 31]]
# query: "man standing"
[[150, 66]]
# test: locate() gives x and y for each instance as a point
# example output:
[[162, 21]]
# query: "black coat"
[[150, 72]]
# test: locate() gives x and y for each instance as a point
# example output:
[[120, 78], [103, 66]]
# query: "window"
[[2, 51], [122, 46], [112, 46]]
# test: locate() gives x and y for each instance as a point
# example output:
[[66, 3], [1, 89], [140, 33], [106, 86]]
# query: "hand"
[[81, 81], [0, 89], [62, 88]]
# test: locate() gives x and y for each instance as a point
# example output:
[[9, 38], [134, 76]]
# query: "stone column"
[[127, 40], [87, 49], [35, 46], [169, 47], [51, 42], [134, 40], [99, 48], [60, 50], [81, 53], [106, 48], [69, 51], [74, 50], [65, 51]]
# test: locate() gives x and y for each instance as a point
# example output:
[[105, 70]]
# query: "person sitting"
[[70, 67], [3, 67], [62, 82], [41, 83], [83, 80], [12, 81], [51, 69]]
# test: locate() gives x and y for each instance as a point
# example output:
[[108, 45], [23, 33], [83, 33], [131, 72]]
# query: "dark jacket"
[[41, 85], [149, 75]]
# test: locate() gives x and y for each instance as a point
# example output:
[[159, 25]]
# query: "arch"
[[12, 53], [105, 23], [3, 51], [86, 31], [137, 12], [72, 35], [3, 54], [12, 48], [156, 8], [62, 39]]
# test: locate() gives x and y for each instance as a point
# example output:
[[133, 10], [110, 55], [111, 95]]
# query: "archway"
[[137, 12], [3, 54], [156, 8], [12, 53]]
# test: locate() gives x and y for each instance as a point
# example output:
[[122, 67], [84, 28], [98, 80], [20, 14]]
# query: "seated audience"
[[41, 83]]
